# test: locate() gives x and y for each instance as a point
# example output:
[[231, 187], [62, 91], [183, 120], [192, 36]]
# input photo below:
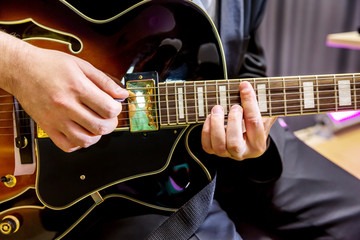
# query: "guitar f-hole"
[[28, 29]]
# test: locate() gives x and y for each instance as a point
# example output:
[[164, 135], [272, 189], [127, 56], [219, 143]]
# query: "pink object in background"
[[343, 116]]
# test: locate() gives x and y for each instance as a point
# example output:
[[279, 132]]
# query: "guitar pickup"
[[142, 103]]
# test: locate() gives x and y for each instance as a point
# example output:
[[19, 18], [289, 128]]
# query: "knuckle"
[[235, 148], [68, 147], [253, 120], [105, 127], [113, 110], [107, 83], [220, 150], [248, 96], [87, 141], [101, 129], [59, 100]]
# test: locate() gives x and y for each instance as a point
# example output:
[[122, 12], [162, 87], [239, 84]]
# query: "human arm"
[[229, 140], [248, 62], [71, 100]]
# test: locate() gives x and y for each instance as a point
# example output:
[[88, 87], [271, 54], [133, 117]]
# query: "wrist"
[[13, 62]]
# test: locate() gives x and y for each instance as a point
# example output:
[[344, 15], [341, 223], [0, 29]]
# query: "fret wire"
[[195, 100], [336, 95], [228, 94], [167, 102], [158, 103], [317, 93], [186, 112], [176, 104], [354, 86], [300, 90], [269, 93], [206, 99], [216, 92], [284, 86]]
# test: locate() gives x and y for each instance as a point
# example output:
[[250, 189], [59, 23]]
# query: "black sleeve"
[[253, 63], [267, 167]]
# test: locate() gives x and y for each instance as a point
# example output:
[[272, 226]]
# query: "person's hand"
[[72, 101], [230, 140]]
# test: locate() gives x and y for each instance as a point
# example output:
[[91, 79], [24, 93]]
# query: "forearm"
[[14, 54]]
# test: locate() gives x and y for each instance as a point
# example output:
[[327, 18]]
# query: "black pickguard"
[[117, 157]]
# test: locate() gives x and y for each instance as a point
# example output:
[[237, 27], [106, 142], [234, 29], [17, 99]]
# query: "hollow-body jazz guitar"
[[169, 55]]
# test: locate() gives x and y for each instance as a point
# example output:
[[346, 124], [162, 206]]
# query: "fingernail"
[[235, 108], [217, 110], [245, 86]]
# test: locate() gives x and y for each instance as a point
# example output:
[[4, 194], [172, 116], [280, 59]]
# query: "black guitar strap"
[[183, 223]]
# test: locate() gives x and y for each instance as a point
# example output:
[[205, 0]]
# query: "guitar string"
[[282, 89], [192, 109], [288, 111], [282, 100], [267, 81], [272, 96], [202, 119], [276, 111]]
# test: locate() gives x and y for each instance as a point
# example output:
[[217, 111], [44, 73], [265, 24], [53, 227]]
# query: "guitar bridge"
[[142, 105]]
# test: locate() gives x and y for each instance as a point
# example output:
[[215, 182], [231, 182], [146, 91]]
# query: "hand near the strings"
[[230, 140], [72, 101]]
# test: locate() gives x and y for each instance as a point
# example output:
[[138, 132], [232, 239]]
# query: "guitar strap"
[[183, 223]]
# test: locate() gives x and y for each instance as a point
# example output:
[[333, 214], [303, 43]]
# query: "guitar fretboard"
[[191, 101]]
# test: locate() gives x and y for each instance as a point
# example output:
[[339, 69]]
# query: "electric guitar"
[[169, 55]]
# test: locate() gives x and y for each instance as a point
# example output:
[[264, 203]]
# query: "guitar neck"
[[191, 101]]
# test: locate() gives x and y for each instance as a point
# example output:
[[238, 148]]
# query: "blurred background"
[[293, 34]]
